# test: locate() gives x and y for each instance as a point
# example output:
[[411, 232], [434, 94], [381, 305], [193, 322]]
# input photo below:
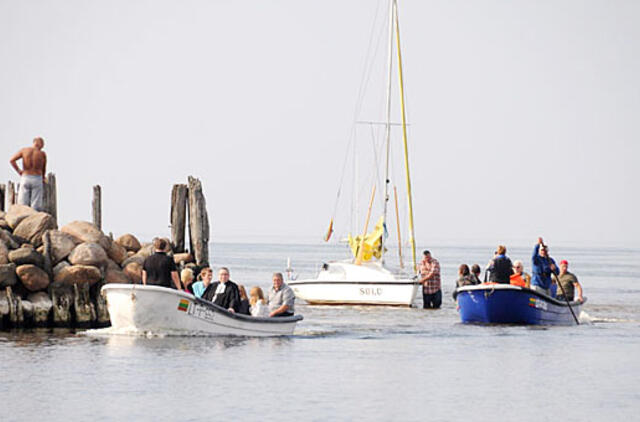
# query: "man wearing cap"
[[542, 268], [430, 279], [567, 282]]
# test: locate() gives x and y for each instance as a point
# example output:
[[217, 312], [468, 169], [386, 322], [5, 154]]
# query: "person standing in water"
[[32, 174]]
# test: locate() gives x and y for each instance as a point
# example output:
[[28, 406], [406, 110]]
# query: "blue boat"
[[508, 304]]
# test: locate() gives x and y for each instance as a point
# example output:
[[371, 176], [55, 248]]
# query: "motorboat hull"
[[508, 304], [160, 309]]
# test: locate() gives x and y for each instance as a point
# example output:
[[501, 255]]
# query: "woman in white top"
[[259, 307]]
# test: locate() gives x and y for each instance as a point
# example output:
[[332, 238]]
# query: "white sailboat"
[[362, 280]]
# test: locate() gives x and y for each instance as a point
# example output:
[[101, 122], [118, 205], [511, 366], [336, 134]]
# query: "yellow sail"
[[372, 245]]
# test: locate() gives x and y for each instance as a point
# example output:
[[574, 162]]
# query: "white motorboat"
[[158, 309], [366, 280], [345, 283]]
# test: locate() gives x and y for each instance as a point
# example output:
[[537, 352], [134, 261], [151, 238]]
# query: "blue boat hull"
[[506, 304]]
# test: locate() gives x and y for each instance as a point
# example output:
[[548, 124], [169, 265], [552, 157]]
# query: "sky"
[[523, 115]]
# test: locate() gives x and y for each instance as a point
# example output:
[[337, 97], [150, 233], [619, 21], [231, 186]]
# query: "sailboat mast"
[[385, 198], [404, 138]]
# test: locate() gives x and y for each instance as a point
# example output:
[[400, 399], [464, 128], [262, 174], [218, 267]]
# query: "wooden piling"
[[83, 309], [3, 190], [96, 206], [46, 253], [12, 197], [51, 196], [198, 223], [178, 216], [62, 299]]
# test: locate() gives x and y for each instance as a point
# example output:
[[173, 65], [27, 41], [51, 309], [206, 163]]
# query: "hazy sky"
[[524, 114]]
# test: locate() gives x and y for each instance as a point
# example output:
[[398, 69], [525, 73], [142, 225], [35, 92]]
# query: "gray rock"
[[32, 277], [7, 275], [8, 239], [133, 270], [4, 253], [78, 274], [4, 224], [26, 255], [61, 245], [59, 267], [17, 213], [129, 242], [88, 254], [87, 232], [117, 252], [33, 227]]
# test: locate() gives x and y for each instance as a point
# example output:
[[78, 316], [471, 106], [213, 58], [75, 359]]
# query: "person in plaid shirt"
[[430, 279]]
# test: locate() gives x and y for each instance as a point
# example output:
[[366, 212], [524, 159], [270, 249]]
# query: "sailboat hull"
[[349, 284]]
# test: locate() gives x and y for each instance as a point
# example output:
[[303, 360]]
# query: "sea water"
[[348, 363]]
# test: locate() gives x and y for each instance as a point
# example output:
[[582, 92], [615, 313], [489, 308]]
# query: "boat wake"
[[585, 318]]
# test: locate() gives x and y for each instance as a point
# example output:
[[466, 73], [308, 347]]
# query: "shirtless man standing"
[[34, 166]]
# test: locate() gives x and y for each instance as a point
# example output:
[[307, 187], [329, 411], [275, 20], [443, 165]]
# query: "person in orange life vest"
[[520, 278]]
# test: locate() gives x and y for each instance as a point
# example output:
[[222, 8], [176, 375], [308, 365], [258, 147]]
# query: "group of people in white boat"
[[160, 270], [548, 277]]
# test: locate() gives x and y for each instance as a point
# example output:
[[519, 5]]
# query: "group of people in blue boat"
[[545, 273], [159, 269]]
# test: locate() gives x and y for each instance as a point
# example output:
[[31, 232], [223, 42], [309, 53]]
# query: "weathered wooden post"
[[51, 196], [11, 194], [46, 252], [62, 299], [96, 206], [178, 216], [84, 309], [3, 190], [198, 223]]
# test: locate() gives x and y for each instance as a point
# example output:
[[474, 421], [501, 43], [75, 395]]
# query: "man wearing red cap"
[[568, 281]]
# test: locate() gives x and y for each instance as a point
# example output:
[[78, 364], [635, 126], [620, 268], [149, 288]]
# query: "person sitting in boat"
[[243, 308], [430, 279], [281, 298], [519, 277], [475, 274], [159, 268], [542, 266], [205, 277], [464, 276], [567, 283], [223, 292], [500, 267], [259, 307], [186, 277]]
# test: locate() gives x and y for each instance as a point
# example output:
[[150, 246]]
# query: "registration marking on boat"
[[201, 312]]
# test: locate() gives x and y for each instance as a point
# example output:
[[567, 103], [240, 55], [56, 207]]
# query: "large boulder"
[[87, 232], [88, 254], [4, 253], [182, 257], [26, 255], [116, 275], [78, 274], [4, 224], [32, 277], [7, 275], [61, 245], [17, 213], [133, 270], [33, 227], [117, 253], [129, 242], [138, 259], [8, 239], [59, 267]]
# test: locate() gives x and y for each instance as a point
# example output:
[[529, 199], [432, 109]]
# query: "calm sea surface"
[[348, 363]]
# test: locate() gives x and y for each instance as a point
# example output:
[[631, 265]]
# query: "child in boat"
[[186, 277], [258, 306], [244, 301]]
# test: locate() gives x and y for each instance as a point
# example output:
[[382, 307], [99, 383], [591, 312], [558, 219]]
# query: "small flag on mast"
[[329, 231]]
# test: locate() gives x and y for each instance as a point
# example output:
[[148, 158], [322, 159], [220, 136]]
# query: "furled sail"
[[372, 245]]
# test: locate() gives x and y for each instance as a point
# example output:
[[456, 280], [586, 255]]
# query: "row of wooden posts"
[[186, 200]]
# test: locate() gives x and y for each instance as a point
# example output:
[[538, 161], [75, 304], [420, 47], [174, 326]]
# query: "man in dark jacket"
[[542, 268], [159, 269], [223, 292], [500, 267]]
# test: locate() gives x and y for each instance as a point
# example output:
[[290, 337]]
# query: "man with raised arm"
[[542, 267], [34, 167]]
